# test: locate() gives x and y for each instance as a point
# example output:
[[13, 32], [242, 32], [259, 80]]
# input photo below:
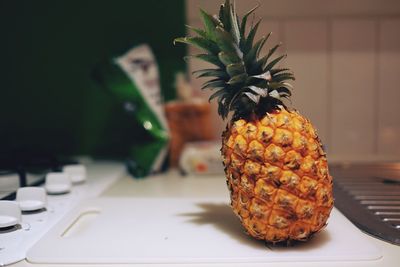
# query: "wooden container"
[[188, 121]]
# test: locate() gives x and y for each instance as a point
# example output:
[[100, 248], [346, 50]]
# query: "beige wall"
[[346, 59]]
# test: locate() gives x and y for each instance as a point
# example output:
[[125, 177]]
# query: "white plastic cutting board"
[[136, 230]]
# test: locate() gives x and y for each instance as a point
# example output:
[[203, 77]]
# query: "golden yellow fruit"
[[278, 176]]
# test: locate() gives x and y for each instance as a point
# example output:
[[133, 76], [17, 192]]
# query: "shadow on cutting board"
[[222, 217]]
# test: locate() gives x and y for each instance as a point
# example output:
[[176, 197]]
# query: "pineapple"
[[275, 166]]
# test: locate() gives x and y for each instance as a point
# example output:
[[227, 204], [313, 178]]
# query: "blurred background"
[[50, 103], [346, 59], [345, 56]]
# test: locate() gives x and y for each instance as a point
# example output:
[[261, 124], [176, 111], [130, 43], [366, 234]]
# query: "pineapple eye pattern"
[[288, 180]]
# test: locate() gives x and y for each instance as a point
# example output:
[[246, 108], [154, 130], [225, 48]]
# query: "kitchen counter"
[[174, 186]]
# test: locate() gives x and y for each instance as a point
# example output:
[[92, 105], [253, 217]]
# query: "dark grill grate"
[[26, 170], [369, 195]]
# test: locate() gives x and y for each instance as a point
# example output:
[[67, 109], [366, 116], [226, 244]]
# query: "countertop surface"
[[175, 186]]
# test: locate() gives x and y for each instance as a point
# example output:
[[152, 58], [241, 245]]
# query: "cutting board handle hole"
[[81, 223]]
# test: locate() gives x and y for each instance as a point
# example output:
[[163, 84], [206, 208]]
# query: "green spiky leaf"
[[251, 56], [228, 58], [218, 94], [212, 73], [224, 40], [244, 81], [253, 97], [200, 32], [258, 90], [258, 66], [275, 85], [221, 16], [215, 83], [244, 20], [224, 14], [234, 26], [276, 71], [210, 24], [250, 38], [274, 62], [272, 50], [238, 79], [210, 59], [199, 42], [274, 93], [235, 69], [284, 92], [283, 77]]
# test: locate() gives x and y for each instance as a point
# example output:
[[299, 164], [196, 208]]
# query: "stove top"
[[28, 170], [369, 196], [16, 240]]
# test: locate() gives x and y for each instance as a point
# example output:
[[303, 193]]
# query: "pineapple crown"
[[243, 81]]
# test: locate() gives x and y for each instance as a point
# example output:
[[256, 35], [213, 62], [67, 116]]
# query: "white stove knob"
[[31, 198], [58, 183], [77, 172], [10, 213]]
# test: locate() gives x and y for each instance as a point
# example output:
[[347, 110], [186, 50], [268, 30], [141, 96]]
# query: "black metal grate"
[[369, 195], [26, 170]]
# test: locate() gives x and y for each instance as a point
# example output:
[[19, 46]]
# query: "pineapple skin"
[[278, 176]]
